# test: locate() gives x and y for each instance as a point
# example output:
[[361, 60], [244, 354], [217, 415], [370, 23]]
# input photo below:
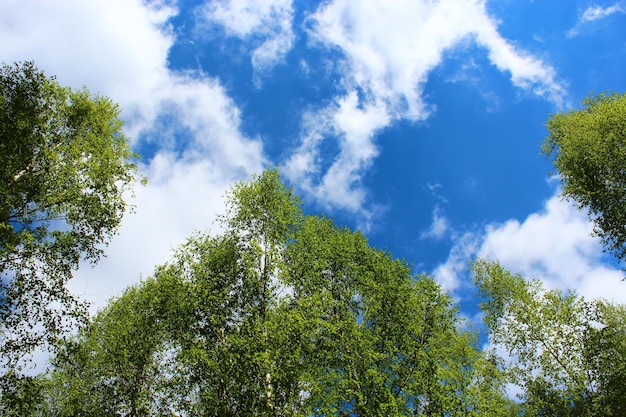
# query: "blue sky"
[[418, 122]]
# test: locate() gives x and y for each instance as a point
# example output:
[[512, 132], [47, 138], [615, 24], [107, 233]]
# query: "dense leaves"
[[588, 147], [281, 315], [64, 167], [120, 364]]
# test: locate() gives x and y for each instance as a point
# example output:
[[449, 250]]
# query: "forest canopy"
[[282, 314], [287, 314]]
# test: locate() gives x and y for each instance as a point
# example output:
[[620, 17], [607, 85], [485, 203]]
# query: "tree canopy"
[[588, 148], [284, 315], [566, 353], [64, 169]]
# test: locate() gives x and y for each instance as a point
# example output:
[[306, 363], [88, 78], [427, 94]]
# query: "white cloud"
[[266, 24], [353, 125], [119, 48], [185, 187], [389, 50], [439, 227], [448, 274], [593, 13], [200, 106], [390, 47], [183, 196], [554, 245], [598, 12]]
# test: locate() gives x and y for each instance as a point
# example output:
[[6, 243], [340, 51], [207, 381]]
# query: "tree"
[[567, 354], [281, 315], [606, 357], [380, 338], [64, 169], [588, 149], [120, 363]]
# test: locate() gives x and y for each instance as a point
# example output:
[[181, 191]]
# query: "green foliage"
[[373, 324], [588, 147], [264, 209], [282, 315], [606, 357], [21, 395], [64, 167], [119, 363], [567, 354]]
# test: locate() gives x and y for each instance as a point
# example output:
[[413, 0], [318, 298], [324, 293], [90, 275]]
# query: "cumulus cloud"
[[594, 13], [182, 196], [554, 245], [119, 48], [389, 49], [265, 24]]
